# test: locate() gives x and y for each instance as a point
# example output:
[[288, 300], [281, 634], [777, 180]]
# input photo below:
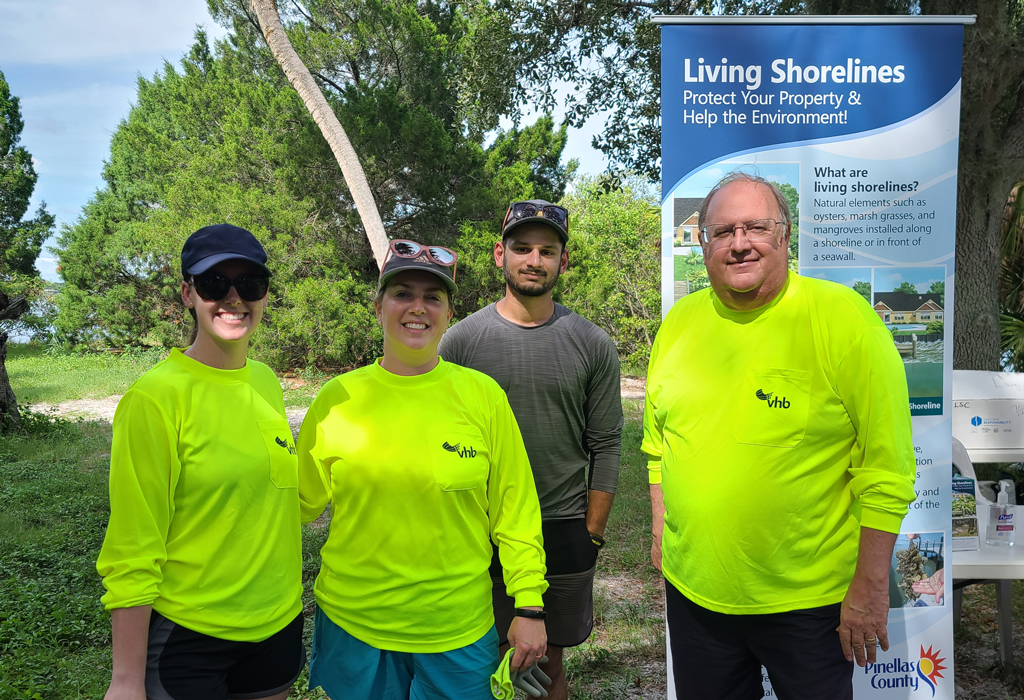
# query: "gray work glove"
[[530, 680]]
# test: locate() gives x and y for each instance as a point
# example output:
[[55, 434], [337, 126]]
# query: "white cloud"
[[59, 32]]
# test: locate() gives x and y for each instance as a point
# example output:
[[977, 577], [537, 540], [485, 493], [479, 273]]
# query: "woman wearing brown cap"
[[424, 465]]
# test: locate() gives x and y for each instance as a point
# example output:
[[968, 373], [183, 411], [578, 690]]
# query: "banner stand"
[[856, 119]]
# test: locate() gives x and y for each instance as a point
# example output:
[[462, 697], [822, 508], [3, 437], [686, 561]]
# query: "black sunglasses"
[[214, 286], [528, 210]]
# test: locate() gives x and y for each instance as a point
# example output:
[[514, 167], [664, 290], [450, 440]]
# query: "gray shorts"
[[569, 600]]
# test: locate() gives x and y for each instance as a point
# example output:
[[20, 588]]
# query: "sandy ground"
[[103, 409]]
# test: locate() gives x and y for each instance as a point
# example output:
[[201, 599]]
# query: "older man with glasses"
[[777, 428]]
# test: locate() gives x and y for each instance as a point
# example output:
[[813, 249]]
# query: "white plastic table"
[[1001, 565]]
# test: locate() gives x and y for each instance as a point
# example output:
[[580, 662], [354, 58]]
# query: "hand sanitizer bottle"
[[1000, 521]]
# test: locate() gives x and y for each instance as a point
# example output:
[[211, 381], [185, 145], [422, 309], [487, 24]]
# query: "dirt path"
[[87, 409], [103, 409]]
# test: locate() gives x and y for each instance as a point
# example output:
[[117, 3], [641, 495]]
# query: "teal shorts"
[[346, 667]]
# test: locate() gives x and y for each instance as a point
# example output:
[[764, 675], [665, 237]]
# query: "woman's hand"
[[125, 691], [530, 640], [130, 629]]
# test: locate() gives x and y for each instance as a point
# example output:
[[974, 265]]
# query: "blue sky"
[[842, 275], [888, 278], [698, 184], [75, 64]]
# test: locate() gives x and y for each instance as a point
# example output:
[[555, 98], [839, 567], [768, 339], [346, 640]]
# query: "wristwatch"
[[597, 540], [531, 614]]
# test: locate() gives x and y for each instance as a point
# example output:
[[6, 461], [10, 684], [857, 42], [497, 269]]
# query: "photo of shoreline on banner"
[[911, 302]]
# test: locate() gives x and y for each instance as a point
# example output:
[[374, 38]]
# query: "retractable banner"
[[857, 121]]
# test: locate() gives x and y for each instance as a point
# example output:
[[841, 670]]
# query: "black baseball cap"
[[543, 211], [395, 264], [213, 244]]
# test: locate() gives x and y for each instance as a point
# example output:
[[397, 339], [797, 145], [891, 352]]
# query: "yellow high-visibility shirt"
[[421, 472], [204, 506], [775, 434]]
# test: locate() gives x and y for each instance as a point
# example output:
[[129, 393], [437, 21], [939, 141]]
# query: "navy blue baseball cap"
[[213, 244]]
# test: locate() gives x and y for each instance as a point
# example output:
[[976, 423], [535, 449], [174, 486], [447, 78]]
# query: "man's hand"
[[933, 585], [865, 610], [530, 639], [862, 622]]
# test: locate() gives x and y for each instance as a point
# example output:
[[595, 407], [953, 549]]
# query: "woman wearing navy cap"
[[202, 556]]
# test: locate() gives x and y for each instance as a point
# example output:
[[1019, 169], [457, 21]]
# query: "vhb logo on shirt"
[[461, 452], [773, 401], [285, 445]]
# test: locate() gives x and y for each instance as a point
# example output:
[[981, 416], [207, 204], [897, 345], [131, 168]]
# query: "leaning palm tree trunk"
[[330, 127]]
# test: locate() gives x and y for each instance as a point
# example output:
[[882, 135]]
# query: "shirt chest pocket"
[[284, 462], [461, 461], [772, 407]]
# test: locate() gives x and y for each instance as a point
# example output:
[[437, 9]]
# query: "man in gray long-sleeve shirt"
[[561, 374]]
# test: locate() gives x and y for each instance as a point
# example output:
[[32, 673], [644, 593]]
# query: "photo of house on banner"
[[911, 302], [916, 571], [689, 274]]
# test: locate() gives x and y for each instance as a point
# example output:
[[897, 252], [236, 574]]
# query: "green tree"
[[614, 265], [938, 287], [793, 200], [20, 239], [906, 287], [610, 53], [223, 139], [1011, 282], [520, 164], [863, 288]]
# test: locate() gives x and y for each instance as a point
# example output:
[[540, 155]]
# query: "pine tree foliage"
[[20, 239]]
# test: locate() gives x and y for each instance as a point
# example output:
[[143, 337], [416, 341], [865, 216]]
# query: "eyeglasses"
[[526, 210], [411, 249], [214, 286], [756, 229]]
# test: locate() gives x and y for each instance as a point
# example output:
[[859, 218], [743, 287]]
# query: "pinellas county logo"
[[772, 400], [926, 671]]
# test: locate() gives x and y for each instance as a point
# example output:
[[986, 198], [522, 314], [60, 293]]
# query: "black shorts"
[[569, 601], [719, 656], [186, 665]]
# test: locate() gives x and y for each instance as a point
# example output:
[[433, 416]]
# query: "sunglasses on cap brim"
[[527, 210], [402, 248]]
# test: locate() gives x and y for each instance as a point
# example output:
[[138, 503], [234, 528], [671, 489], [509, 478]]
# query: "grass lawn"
[[39, 377]]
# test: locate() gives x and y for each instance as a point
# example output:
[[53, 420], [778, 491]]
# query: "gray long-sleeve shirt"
[[562, 381]]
